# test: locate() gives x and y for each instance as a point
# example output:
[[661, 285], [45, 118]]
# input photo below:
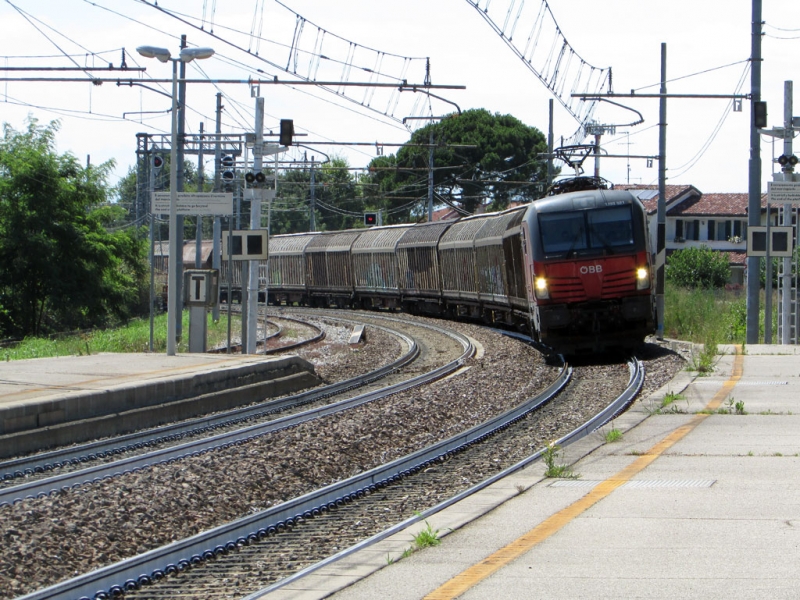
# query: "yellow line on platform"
[[467, 579]]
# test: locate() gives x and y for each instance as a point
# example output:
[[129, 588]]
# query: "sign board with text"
[[195, 203], [783, 192]]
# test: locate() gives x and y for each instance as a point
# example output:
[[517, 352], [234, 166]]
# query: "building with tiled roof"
[[693, 219]]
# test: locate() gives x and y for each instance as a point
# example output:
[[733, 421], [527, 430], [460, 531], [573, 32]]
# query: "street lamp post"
[[186, 55]]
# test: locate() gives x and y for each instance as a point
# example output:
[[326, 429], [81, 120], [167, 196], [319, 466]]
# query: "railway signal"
[[370, 219], [287, 131], [228, 164], [255, 178], [158, 162]]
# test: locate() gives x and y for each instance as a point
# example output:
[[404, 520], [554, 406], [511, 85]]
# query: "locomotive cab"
[[592, 280]]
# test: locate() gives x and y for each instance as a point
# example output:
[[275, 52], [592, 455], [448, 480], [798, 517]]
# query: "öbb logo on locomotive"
[[585, 269], [524, 268]]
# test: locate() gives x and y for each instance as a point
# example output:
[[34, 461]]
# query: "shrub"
[[698, 268]]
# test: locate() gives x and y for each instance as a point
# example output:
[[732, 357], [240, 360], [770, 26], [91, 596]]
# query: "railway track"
[[244, 547], [91, 463], [328, 544]]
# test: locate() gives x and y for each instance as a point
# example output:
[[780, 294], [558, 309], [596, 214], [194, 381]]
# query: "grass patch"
[[132, 337], [427, 537], [613, 435], [555, 470], [422, 539], [702, 316]]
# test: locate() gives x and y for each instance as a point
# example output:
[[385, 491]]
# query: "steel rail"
[[182, 554], [82, 453], [617, 406], [94, 474]]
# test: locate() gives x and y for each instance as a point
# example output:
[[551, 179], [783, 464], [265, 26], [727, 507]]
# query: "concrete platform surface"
[[51, 401], [41, 379], [695, 501]]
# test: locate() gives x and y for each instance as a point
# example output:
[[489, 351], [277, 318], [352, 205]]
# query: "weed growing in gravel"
[[550, 455], [613, 435]]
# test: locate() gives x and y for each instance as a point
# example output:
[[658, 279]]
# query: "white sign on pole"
[[262, 194], [783, 192], [195, 203], [780, 241]]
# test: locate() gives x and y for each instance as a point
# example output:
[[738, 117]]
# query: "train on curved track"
[[574, 270]]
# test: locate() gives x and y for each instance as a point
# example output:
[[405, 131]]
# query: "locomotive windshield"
[[602, 230]]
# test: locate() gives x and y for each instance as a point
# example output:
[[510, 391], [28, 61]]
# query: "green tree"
[[698, 268], [338, 202], [479, 158], [62, 267]]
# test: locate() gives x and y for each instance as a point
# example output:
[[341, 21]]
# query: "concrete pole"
[[550, 169], [178, 276], [661, 210], [255, 223], [754, 176], [151, 186], [312, 221], [198, 326], [788, 175], [172, 269], [217, 233], [430, 177], [198, 231]]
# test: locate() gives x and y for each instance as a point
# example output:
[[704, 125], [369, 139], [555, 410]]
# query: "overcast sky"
[[708, 44]]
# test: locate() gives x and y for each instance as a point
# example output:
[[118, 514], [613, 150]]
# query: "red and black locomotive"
[[574, 270]]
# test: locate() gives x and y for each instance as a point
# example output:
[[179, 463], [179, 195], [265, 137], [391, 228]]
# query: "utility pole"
[[787, 171], [198, 231], [661, 210], [217, 230], [550, 169], [198, 326], [754, 176], [151, 185], [430, 177], [177, 277], [312, 221], [255, 223]]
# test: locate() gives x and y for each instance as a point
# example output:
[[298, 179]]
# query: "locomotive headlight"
[[642, 278], [541, 288]]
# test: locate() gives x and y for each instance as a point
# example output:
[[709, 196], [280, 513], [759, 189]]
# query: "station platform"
[[55, 401], [696, 500]]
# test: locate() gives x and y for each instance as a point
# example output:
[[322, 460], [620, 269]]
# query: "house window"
[[692, 229], [678, 230], [710, 234]]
